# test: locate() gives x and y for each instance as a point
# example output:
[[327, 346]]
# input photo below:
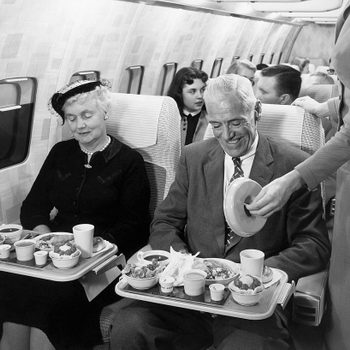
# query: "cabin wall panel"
[[52, 39], [316, 42]]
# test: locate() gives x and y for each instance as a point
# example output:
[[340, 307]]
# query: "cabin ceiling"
[[295, 11]]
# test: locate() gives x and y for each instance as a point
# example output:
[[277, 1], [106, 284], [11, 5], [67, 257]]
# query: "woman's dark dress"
[[113, 195]]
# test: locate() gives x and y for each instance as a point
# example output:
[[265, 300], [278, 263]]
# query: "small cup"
[[84, 239], [252, 262], [216, 291], [166, 284], [25, 249], [40, 257], [194, 282], [5, 251]]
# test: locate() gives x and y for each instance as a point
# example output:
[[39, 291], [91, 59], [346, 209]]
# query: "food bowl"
[[162, 256], [11, 232], [246, 295], [65, 261], [246, 299], [141, 283]]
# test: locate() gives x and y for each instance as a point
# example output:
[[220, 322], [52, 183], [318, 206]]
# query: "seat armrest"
[[310, 299]]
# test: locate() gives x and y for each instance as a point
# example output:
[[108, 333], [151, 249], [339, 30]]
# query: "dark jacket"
[[294, 239], [113, 195]]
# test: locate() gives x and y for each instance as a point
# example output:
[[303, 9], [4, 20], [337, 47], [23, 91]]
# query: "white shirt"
[[247, 163]]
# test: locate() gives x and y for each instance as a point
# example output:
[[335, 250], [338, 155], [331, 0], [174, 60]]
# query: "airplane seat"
[[303, 130], [151, 125]]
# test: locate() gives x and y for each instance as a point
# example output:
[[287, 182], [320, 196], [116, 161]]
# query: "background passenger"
[[330, 157], [320, 78], [278, 84], [187, 89], [244, 68], [95, 179], [191, 218]]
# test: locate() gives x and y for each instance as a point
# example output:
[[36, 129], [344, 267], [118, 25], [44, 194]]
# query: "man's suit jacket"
[[191, 217]]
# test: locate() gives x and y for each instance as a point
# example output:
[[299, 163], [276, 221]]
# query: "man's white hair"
[[227, 93]]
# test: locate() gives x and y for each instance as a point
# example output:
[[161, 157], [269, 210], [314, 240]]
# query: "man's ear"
[[257, 110], [286, 99]]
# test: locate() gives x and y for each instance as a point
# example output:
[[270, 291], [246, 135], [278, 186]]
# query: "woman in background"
[[187, 89], [92, 178]]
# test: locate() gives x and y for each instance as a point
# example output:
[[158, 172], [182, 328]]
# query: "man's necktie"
[[238, 172], [230, 236]]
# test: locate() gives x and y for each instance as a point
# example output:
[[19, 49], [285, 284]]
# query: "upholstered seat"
[[151, 125], [293, 125]]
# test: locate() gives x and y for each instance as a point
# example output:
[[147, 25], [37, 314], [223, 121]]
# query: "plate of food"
[[218, 270], [47, 241]]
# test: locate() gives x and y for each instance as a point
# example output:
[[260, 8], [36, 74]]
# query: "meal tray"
[[264, 309], [50, 272]]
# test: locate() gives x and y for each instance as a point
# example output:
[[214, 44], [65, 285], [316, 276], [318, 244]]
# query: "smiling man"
[[191, 218]]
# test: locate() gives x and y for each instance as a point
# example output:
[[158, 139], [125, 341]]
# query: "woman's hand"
[[42, 229], [312, 106], [275, 195]]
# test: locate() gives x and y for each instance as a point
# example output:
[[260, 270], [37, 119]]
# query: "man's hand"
[[275, 195], [312, 106]]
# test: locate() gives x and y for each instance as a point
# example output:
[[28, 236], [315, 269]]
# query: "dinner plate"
[[230, 264], [242, 191], [59, 235]]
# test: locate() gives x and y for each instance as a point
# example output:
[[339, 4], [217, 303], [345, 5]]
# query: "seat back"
[[305, 131], [151, 125], [292, 124]]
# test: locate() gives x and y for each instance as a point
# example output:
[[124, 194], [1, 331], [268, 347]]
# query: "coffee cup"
[[84, 239], [40, 257], [252, 262], [25, 249], [194, 282]]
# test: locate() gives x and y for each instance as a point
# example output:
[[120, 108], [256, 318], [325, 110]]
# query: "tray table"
[[278, 293], [50, 272]]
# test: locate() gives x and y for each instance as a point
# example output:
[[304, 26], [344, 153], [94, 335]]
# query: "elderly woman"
[[92, 178], [187, 89]]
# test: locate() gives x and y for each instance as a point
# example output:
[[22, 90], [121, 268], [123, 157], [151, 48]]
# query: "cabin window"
[[169, 71], [271, 57], [135, 79], [262, 58], [279, 58], [197, 64], [215, 71], [85, 75], [17, 98]]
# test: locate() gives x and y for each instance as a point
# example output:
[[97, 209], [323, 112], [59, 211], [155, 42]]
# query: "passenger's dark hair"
[[288, 79], [184, 76], [261, 66]]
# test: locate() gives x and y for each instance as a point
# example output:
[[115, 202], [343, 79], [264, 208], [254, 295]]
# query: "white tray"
[[50, 272], [278, 293]]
